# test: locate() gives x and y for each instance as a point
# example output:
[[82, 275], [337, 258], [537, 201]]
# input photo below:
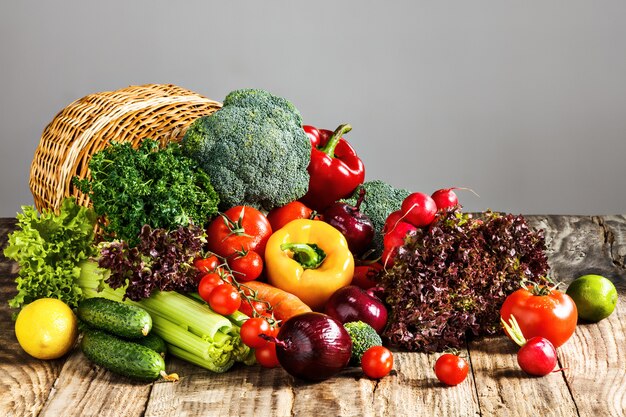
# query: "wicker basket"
[[156, 111]]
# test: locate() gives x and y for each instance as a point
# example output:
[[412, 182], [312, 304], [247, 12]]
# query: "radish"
[[446, 197], [419, 209], [537, 356]]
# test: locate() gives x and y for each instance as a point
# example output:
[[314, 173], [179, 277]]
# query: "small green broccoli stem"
[[329, 148], [309, 255]]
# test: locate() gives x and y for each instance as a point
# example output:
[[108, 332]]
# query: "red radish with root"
[[446, 197], [537, 356], [419, 209]]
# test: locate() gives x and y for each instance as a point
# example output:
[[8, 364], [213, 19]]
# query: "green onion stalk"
[[191, 330]]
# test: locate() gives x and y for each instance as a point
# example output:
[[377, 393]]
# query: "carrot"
[[284, 304]]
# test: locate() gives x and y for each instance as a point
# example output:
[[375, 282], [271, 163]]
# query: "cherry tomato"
[[251, 331], [280, 216], [224, 299], [451, 369], [240, 228], [542, 311], [246, 266], [205, 265], [364, 275], [259, 307], [207, 283], [266, 356], [377, 362]]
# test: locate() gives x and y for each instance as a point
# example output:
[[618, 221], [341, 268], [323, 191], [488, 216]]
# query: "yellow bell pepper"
[[310, 259]]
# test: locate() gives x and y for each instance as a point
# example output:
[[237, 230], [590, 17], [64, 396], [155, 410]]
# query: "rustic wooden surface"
[[592, 383]]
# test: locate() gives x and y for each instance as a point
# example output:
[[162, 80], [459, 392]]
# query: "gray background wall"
[[524, 102]]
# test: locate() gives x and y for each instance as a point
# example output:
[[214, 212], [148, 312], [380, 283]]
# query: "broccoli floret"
[[253, 148], [363, 337], [381, 199]]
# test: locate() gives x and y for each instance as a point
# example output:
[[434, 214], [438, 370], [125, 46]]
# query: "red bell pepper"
[[335, 168]]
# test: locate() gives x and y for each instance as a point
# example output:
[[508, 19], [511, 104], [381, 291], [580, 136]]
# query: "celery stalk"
[[218, 353], [193, 331], [196, 360]]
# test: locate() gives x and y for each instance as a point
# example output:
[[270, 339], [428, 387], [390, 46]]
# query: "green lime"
[[594, 295]]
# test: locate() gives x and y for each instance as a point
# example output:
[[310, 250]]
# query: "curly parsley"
[[160, 187]]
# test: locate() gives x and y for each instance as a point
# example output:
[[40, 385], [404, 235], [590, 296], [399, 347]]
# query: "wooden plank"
[[594, 358], [25, 382], [504, 389], [413, 389], [242, 391], [85, 389]]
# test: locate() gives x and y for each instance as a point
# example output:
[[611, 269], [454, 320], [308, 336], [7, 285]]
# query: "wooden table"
[[593, 382]]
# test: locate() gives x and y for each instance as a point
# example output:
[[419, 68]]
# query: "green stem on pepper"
[[309, 255], [329, 148]]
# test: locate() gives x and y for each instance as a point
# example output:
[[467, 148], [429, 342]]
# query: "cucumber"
[[122, 357], [120, 319], [153, 342]]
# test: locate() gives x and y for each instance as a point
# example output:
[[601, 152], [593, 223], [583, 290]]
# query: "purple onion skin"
[[352, 303], [356, 227], [313, 346]]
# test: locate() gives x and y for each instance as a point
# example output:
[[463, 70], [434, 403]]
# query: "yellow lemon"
[[595, 297], [46, 328]]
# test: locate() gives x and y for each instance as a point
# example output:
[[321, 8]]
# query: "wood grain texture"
[[25, 382], [592, 383]]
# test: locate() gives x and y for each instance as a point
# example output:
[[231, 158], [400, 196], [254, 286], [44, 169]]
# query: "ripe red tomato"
[[208, 264], [542, 311], [280, 216], [224, 299], [266, 356], [364, 275], [260, 307], [451, 369], [252, 329], [246, 266], [240, 228], [207, 283], [377, 362]]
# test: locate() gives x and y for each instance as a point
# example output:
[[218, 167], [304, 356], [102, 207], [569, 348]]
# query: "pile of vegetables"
[[258, 240]]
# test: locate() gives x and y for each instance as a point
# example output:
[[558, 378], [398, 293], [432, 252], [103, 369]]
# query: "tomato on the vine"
[[208, 264], [451, 369], [240, 228], [266, 356], [207, 283], [252, 329], [280, 216], [377, 362], [224, 299], [246, 266], [542, 311], [261, 308]]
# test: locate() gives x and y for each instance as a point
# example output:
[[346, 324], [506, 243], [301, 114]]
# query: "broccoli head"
[[381, 199], [363, 337], [253, 148]]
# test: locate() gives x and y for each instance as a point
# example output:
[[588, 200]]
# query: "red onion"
[[352, 303], [313, 346]]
